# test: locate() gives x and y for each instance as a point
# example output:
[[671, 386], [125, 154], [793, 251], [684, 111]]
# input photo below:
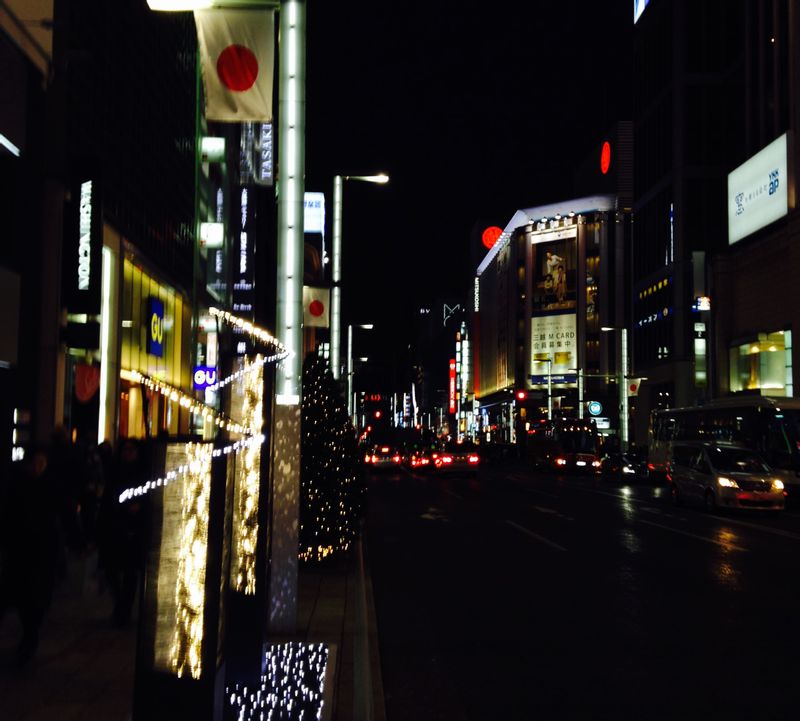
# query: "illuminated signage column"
[[452, 387], [243, 260], [83, 252]]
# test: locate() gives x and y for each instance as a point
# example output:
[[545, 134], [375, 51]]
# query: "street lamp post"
[[623, 384], [336, 272], [350, 406]]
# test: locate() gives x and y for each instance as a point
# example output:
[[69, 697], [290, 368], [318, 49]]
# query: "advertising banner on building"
[[555, 271], [758, 191], [554, 348]]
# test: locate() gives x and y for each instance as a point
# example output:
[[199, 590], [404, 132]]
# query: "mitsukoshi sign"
[[758, 191]]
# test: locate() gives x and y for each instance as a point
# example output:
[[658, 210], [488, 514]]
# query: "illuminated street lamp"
[[623, 383], [289, 303], [336, 299], [350, 407]]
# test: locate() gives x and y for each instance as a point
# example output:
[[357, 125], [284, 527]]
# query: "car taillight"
[[374, 459], [473, 459], [396, 459], [561, 461], [447, 459], [596, 464], [367, 458], [424, 461], [651, 467]]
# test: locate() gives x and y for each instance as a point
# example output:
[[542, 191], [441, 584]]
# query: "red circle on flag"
[[237, 68], [490, 236], [632, 387], [605, 157], [316, 308]]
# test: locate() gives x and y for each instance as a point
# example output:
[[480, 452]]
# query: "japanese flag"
[[316, 303], [633, 386], [237, 50]]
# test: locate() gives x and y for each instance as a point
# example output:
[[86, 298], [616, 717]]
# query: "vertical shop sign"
[[452, 394], [243, 265], [83, 251]]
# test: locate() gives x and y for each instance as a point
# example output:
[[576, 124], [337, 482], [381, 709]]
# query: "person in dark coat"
[[122, 530], [30, 547]]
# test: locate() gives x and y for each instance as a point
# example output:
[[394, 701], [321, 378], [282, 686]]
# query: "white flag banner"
[[237, 51], [316, 303], [633, 386]]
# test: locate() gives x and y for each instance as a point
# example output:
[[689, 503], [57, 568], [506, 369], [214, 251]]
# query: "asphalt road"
[[526, 596]]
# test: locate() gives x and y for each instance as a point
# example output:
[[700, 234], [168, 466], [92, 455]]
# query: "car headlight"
[[777, 484], [727, 482], [628, 469]]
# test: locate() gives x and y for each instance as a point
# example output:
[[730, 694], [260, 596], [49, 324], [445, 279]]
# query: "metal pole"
[[623, 389], [350, 370], [336, 300], [580, 393], [289, 316], [549, 389]]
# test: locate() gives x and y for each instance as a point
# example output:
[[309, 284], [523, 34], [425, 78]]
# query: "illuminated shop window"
[[763, 364]]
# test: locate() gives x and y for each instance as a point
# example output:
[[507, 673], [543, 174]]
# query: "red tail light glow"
[[473, 459], [447, 459], [396, 459], [374, 459], [561, 461]]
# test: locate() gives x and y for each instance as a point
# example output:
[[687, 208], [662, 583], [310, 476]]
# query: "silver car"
[[720, 475]]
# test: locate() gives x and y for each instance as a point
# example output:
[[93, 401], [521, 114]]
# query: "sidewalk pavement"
[[84, 668]]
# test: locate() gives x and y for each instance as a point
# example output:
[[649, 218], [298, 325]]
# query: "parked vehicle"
[[723, 475]]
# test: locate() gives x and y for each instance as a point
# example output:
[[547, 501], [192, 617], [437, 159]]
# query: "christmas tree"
[[331, 478]]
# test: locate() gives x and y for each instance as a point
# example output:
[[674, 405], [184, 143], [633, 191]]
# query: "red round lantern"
[[490, 236], [605, 157]]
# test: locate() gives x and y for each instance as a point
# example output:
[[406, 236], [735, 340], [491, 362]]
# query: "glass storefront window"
[[761, 364], [156, 332]]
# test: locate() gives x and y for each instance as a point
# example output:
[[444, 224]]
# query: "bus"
[[768, 425], [564, 444]]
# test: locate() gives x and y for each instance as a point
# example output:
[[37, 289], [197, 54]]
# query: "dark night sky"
[[473, 109]]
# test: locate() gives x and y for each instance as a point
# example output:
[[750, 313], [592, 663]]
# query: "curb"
[[368, 697]]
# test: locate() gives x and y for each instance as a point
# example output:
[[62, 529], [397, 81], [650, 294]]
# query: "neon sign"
[[452, 399]]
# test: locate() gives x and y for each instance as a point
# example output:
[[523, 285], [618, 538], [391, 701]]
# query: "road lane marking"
[[759, 527], [723, 544], [723, 519], [541, 493], [454, 494], [539, 538], [553, 512]]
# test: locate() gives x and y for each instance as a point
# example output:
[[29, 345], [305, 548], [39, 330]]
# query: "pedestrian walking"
[[30, 547]]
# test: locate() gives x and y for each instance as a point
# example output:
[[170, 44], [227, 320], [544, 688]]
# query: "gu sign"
[[204, 377], [155, 326]]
